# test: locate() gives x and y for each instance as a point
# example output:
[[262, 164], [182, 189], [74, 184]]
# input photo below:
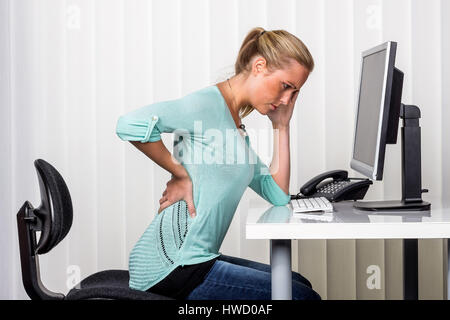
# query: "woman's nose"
[[285, 98]]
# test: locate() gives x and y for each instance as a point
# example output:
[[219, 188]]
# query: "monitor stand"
[[411, 169], [393, 205]]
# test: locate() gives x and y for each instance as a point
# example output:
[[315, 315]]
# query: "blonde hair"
[[277, 47]]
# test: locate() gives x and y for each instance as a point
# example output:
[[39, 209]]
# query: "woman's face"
[[267, 90]]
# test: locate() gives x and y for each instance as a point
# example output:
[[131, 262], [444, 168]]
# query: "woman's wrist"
[[180, 172], [280, 126], [176, 168]]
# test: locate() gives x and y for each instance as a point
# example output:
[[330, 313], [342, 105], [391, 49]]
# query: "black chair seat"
[[110, 284]]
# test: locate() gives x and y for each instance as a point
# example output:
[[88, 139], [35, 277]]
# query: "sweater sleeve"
[[146, 123], [264, 185]]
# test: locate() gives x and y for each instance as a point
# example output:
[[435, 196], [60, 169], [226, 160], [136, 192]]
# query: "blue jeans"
[[232, 278]]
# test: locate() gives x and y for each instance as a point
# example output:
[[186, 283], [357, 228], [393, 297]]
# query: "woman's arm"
[[180, 186], [143, 128], [158, 152], [280, 167]]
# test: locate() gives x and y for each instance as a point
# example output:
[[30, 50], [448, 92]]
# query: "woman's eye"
[[286, 86]]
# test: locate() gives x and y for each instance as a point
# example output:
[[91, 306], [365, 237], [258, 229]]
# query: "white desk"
[[279, 225]]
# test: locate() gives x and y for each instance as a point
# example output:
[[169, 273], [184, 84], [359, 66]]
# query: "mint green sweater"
[[221, 165]]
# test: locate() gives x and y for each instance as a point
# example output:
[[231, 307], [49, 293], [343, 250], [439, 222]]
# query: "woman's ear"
[[259, 65]]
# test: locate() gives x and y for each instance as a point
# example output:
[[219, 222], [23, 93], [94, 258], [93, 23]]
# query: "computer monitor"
[[373, 110], [379, 109]]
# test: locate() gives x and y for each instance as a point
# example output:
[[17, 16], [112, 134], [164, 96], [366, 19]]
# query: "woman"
[[178, 254]]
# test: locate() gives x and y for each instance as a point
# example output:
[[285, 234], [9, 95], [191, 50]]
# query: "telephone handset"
[[335, 186]]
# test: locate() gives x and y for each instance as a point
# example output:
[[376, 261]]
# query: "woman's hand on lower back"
[[178, 188]]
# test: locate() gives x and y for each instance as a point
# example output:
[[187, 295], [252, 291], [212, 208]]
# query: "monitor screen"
[[370, 98], [373, 105]]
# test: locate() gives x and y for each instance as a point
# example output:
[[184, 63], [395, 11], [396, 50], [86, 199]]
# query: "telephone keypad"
[[334, 187]]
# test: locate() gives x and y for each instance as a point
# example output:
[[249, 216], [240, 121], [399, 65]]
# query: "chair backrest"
[[53, 218], [55, 209]]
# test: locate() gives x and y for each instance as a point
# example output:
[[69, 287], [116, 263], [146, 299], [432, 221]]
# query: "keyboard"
[[311, 205]]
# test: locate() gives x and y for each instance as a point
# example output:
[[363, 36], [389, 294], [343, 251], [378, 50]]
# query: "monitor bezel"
[[376, 172]]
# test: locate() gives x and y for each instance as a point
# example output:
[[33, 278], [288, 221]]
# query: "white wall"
[[69, 69]]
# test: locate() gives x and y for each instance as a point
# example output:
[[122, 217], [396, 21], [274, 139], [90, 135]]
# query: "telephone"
[[335, 186]]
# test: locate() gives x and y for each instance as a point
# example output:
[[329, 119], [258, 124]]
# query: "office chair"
[[53, 218]]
